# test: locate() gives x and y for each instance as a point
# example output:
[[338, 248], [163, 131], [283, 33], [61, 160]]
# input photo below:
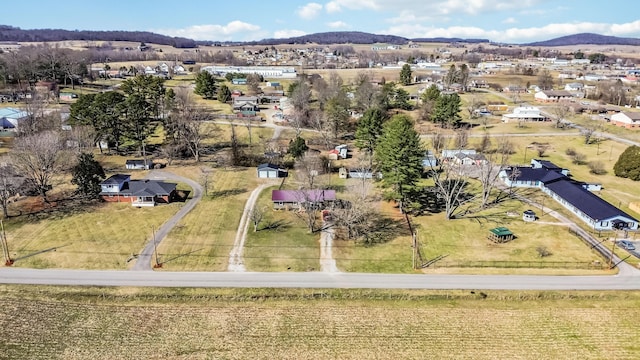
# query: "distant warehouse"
[[281, 72]]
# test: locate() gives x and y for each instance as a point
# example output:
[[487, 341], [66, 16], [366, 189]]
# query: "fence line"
[[590, 265]]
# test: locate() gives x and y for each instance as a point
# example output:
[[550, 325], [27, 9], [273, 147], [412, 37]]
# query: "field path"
[[327, 262], [145, 256], [236, 263]]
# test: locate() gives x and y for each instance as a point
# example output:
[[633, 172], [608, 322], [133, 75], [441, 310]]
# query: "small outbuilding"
[[271, 171], [139, 164], [529, 216], [500, 235]]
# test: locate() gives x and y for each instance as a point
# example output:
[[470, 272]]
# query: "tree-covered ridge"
[[10, 33]]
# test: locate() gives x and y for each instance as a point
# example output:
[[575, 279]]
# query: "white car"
[[627, 245]]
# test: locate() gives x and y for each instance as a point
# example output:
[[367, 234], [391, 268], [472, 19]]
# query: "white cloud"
[[337, 25], [280, 34], [309, 11], [516, 35], [332, 7], [509, 20], [231, 31], [434, 7], [632, 28], [337, 5]]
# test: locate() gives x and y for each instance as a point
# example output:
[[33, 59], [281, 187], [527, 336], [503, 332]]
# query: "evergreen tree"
[[87, 175], [298, 147], [369, 129], [205, 85], [224, 94], [399, 154], [446, 110], [628, 164], [405, 75]]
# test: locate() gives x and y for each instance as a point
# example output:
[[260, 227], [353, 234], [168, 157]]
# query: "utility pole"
[[613, 248], [155, 248], [8, 261]]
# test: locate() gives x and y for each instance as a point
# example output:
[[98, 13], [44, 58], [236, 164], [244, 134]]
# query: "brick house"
[[120, 188]]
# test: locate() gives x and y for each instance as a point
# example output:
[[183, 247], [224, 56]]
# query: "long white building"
[[279, 72]]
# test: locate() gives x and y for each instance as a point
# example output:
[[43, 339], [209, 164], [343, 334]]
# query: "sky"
[[508, 21]]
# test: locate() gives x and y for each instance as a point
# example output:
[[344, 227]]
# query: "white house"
[[626, 119], [574, 86], [552, 95], [524, 113], [265, 71]]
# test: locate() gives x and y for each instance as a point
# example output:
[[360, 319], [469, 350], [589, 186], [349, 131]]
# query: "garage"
[[271, 171]]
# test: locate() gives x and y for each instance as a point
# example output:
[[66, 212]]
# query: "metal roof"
[[501, 231], [303, 195], [584, 200]]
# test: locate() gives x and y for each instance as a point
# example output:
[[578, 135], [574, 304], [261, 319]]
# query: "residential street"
[[8, 275]]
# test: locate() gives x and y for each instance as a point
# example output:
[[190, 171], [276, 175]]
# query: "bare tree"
[[450, 182], [38, 158], [587, 132], [323, 126], [308, 169], [205, 174], [256, 216], [461, 139], [489, 171], [185, 125], [541, 149], [438, 142], [354, 216], [10, 184], [560, 112]]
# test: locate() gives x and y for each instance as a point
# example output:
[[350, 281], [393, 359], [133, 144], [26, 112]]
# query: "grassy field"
[[125, 323], [283, 243], [84, 236], [203, 239]]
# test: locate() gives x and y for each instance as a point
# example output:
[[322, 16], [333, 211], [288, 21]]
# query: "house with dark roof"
[[302, 199], [575, 196], [120, 188]]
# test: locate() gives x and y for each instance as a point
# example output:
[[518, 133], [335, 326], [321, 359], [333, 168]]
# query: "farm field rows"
[[98, 323]]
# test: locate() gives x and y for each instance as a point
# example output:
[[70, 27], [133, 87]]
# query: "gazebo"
[[500, 235], [529, 215]]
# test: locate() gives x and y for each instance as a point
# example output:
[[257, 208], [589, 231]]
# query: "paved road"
[[146, 255], [315, 280]]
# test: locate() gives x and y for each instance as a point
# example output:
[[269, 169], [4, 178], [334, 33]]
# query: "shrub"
[[597, 168], [543, 251], [570, 151], [579, 158]]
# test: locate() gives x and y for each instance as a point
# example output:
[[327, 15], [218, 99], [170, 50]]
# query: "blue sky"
[[511, 21]]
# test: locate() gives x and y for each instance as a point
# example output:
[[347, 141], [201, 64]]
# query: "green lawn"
[[203, 239], [99, 236], [282, 242]]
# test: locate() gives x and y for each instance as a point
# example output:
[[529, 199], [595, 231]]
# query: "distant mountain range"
[[587, 39], [15, 34]]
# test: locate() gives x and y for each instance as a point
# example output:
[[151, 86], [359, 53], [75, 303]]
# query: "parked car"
[[627, 245]]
